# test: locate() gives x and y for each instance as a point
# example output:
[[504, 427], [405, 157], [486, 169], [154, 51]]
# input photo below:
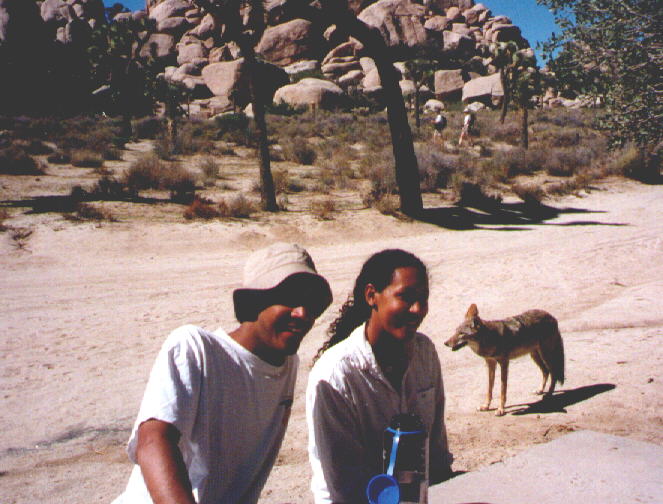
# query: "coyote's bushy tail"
[[554, 348]]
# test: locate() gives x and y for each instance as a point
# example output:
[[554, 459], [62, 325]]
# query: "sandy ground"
[[84, 308]]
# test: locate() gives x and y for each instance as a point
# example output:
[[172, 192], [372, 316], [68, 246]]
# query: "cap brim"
[[312, 288]]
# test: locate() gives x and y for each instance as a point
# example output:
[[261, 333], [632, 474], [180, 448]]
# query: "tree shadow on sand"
[[558, 402], [504, 216]]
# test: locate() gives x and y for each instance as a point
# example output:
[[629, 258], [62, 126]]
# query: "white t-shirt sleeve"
[[173, 388]]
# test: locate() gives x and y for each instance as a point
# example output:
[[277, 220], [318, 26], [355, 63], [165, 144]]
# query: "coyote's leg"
[[490, 363], [536, 357], [504, 375]]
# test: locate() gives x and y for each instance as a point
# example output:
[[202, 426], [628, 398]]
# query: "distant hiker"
[[468, 124], [439, 124], [217, 404]]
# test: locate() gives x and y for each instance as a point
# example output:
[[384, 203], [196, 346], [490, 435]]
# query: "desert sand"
[[86, 306]]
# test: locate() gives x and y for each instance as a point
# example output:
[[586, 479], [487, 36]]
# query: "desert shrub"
[[284, 109], [283, 183], [86, 212], [435, 168], [111, 153], [238, 206], [201, 208], [631, 162], [15, 161], [323, 208], [387, 204], [210, 169], [518, 161], [282, 202], [4, 215], [108, 188], [144, 173], [299, 151], [180, 182], [148, 127], [233, 128], [531, 194], [473, 194], [85, 158], [59, 157], [36, 148], [509, 132], [566, 162], [565, 138]]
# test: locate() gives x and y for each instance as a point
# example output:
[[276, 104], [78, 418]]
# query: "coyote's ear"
[[472, 312]]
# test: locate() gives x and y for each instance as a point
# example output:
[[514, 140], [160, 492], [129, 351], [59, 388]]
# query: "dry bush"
[[210, 169], [148, 127], [15, 161], [532, 195], [509, 132], [473, 194], [4, 215], [20, 236], [36, 147], [88, 212], [323, 209], [283, 183], [566, 162], [108, 188], [144, 173], [387, 204], [85, 158], [631, 162], [201, 208], [435, 168], [238, 206], [298, 150], [59, 157]]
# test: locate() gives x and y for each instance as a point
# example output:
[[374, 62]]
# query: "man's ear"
[[370, 293]]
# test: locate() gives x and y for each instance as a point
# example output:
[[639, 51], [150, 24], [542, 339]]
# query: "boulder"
[[302, 66], [454, 15], [400, 22], [163, 44], [437, 23], [352, 78], [337, 68], [229, 80], [346, 49], [485, 89], [206, 28], [169, 8], [176, 25], [457, 45], [434, 106], [289, 42], [461, 28], [227, 52], [190, 52], [407, 88], [372, 79], [505, 33], [449, 84], [311, 92]]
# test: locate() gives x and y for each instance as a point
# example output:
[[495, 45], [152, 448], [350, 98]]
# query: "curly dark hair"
[[378, 270]]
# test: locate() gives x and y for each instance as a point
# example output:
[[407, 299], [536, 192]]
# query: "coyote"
[[533, 332]]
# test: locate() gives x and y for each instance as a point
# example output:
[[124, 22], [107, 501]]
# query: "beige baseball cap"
[[278, 274]]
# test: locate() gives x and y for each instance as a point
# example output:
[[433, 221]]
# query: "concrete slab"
[[583, 467]]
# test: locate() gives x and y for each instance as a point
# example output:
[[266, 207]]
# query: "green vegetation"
[[612, 49]]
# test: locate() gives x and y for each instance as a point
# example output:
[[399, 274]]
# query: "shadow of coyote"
[[533, 332]]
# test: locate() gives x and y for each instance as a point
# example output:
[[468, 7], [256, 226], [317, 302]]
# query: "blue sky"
[[535, 21]]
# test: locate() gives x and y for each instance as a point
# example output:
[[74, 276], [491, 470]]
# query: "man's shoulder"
[[192, 336]]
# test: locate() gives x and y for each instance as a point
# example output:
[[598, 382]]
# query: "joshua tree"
[[336, 12], [230, 15]]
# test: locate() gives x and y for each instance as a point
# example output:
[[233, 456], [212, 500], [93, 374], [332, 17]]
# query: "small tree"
[[622, 40], [503, 54], [422, 70], [119, 73], [244, 23]]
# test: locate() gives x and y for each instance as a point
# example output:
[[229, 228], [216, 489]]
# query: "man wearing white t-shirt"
[[217, 404]]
